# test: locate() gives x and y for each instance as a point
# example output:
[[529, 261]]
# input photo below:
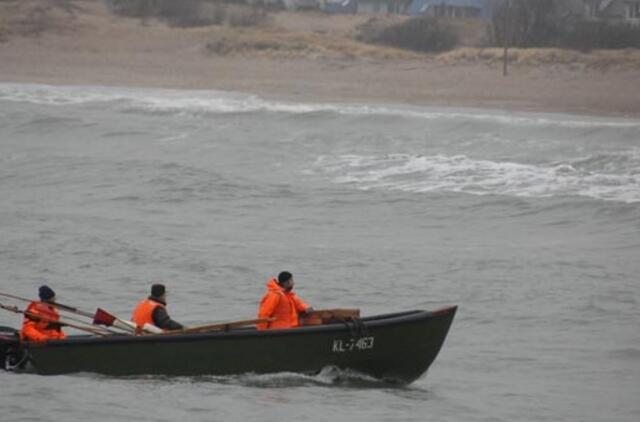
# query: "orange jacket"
[[35, 329], [143, 314], [282, 305]]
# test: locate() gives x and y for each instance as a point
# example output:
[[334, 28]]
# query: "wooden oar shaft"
[[55, 304], [124, 327], [88, 329], [103, 329]]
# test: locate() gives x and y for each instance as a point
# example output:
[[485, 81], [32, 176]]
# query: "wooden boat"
[[396, 347]]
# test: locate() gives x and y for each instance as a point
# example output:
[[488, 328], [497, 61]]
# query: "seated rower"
[[40, 320], [153, 311], [281, 303]]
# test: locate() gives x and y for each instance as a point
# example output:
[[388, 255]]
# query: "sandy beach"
[[92, 46]]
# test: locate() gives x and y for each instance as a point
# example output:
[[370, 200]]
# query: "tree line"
[[550, 23]]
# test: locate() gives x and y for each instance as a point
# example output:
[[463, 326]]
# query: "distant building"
[[437, 8], [384, 7], [607, 10], [301, 4], [613, 10], [335, 7], [448, 8]]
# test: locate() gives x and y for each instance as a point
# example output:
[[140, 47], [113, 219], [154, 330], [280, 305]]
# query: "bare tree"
[[531, 23]]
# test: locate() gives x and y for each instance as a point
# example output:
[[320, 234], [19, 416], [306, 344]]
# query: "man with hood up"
[[281, 303]]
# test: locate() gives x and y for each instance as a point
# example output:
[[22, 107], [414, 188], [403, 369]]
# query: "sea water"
[[530, 223]]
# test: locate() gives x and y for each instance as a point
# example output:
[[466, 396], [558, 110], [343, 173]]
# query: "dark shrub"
[[419, 34], [548, 23], [182, 13], [586, 35], [530, 23], [218, 14], [132, 8], [188, 13], [175, 12], [247, 17]]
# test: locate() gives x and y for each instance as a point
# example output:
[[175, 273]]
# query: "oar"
[[45, 319], [56, 304], [105, 318], [220, 326], [101, 317], [104, 329]]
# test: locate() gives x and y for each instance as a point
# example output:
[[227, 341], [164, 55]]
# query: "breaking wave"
[[192, 102], [459, 173]]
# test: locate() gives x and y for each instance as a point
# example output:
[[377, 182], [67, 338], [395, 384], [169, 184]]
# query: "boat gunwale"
[[373, 321]]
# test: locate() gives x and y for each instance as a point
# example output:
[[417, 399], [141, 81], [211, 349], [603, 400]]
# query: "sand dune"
[[304, 57]]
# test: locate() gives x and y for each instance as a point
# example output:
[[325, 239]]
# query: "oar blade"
[[103, 317]]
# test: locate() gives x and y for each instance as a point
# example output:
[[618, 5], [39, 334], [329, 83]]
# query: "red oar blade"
[[103, 317]]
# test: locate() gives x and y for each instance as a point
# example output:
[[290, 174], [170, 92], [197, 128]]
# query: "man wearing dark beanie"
[[153, 310], [46, 293], [281, 303], [41, 318]]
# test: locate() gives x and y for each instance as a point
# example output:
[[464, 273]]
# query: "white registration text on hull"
[[352, 344]]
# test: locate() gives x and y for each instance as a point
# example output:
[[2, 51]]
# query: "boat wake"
[[328, 376]]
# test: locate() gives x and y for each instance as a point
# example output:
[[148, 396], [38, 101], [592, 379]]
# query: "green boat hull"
[[395, 347]]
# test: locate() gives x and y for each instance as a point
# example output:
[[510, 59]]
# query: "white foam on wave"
[[329, 375], [441, 173], [192, 102]]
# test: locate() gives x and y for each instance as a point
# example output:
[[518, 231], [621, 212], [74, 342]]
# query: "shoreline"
[[275, 92], [103, 50], [300, 80], [422, 107]]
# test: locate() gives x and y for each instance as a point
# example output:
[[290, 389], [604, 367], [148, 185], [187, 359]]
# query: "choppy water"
[[529, 222]]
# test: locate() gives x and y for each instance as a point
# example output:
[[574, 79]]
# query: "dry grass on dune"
[[598, 59], [314, 38], [274, 43], [283, 35], [27, 18]]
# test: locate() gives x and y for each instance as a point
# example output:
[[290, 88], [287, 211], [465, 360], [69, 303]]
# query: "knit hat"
[[46, 293], [157, 290], [284, 276]]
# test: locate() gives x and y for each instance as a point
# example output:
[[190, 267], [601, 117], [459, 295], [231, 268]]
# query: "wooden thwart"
[[219, 326]]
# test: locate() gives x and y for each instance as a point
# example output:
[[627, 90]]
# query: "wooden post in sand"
[[505, 39]]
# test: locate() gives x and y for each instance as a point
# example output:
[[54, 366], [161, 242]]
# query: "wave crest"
[[197, 102], [458, 173]]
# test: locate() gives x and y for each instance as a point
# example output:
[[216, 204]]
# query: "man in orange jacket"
[[40, 320], [281, 303], [153, 310]]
